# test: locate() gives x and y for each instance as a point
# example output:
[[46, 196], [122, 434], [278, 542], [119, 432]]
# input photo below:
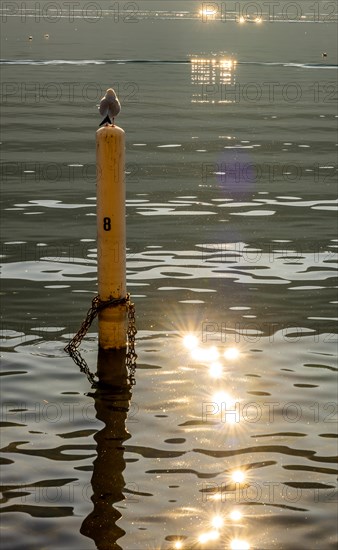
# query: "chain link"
[[131, 333], [97, 306], [81, 333]]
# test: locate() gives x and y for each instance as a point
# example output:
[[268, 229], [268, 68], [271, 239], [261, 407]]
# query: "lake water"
[[228, 438]]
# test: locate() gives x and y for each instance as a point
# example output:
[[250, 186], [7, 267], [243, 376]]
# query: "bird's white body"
[[110, 105]]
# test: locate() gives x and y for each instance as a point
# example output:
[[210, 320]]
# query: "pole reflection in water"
[[112, 398]]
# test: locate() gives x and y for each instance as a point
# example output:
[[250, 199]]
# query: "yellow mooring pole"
[[111, 235]]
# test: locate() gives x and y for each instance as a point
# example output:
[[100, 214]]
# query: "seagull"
[[109, 107]]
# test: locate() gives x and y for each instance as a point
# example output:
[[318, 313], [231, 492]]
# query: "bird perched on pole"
[[109, 107]]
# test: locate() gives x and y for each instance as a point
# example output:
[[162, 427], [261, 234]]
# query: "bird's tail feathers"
[[106, 119]]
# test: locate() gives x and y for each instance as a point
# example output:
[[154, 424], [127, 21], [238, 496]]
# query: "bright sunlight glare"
[[223, 399], [238, 476], [237, 544], [231, 354], [208, 11], [215, 370], [217, 522], [235, 515], [190, 341], [205, 355], [205, 537]]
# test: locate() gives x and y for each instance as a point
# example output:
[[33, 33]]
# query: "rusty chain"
[[131, 333], [98, 305]]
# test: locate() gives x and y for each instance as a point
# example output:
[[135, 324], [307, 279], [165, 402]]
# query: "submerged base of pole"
[[113, 328], [111, 368]]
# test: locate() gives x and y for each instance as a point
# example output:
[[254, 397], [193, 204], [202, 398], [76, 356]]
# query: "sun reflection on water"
[[218, 12], [209, 12], [238, 476], [221, 398], [190, 341], [223, 408], [209, 355], [248, 19], [238, 544], [235, 515], [217, 522], [205, 355], [206, 537], [216, 370], [231, 353], [210, 77]]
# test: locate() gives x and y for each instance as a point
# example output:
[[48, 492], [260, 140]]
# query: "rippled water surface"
[[228, 438]]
